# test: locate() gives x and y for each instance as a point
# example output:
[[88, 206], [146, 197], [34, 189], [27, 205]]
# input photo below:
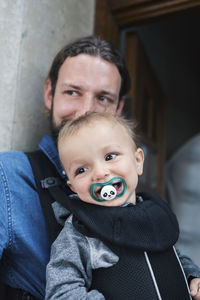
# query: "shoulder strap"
[[45, 172], [10, 293]]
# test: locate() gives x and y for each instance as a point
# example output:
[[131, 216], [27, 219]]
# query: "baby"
[[116, 244]]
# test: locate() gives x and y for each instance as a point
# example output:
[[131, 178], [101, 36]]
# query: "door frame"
[[115, 15], [111, 16]]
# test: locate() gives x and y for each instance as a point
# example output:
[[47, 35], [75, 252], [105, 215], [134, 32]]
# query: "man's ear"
[[139, 156], [120, 106], [48, 98], [71, 186]]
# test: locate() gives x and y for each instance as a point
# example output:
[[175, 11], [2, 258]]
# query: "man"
[[87, 75]]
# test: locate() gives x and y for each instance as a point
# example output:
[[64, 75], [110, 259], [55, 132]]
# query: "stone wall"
[[32, 31]]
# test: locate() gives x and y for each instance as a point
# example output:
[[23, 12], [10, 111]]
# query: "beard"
[[54, 128], [54, 131]]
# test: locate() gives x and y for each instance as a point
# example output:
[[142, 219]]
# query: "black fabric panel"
[[129, 279], [169, 276]]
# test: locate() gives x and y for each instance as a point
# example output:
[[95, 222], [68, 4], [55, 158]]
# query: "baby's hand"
[[195, 288]]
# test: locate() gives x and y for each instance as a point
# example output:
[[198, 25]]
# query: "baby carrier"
[[142, 236], [139, 273]]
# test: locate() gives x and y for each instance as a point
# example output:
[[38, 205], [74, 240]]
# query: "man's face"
[[85, 83], [97, 153]]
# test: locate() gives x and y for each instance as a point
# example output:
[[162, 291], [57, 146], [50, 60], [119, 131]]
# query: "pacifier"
[[114, 188]]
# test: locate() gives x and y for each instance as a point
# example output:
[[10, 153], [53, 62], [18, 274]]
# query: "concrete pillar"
[[31, 33]]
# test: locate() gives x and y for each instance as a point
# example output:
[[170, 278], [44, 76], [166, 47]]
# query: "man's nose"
[[87, 105]]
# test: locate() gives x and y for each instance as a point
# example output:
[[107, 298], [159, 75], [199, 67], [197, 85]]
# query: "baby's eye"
[[110, 156], [80, 170]]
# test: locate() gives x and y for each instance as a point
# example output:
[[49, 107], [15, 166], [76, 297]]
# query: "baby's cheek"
[[84, 195]]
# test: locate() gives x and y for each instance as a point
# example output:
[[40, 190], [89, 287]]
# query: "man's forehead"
[[83, 69], [88, 58]]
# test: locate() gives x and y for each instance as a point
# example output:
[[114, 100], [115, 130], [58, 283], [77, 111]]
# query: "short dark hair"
[[94, 46], [69, 128]]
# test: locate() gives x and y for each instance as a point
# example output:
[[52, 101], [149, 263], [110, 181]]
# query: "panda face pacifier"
[[110, 190]]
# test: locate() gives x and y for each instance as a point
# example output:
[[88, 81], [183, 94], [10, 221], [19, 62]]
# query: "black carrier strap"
[[9, 293], [47, 179]]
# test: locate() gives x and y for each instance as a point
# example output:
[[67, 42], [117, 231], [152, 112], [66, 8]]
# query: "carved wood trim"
[[129, 12], [105, 23]]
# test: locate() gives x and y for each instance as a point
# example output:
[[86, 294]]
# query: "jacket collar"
[[48, 146]]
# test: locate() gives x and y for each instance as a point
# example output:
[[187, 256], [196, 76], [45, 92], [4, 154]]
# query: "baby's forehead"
[[94, 125], [108, 122]]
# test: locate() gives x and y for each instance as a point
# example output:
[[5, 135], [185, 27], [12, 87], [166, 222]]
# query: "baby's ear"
[[139, 156], [71, 186]]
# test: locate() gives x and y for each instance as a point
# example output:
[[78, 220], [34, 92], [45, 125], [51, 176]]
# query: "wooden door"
[[146, 104]]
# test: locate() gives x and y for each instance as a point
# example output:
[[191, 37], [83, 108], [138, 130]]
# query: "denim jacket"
[[24, 244]]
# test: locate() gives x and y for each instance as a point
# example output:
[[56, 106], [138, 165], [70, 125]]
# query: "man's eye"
[[80, 171], [71, 92], [110, 156], [103, 99]]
